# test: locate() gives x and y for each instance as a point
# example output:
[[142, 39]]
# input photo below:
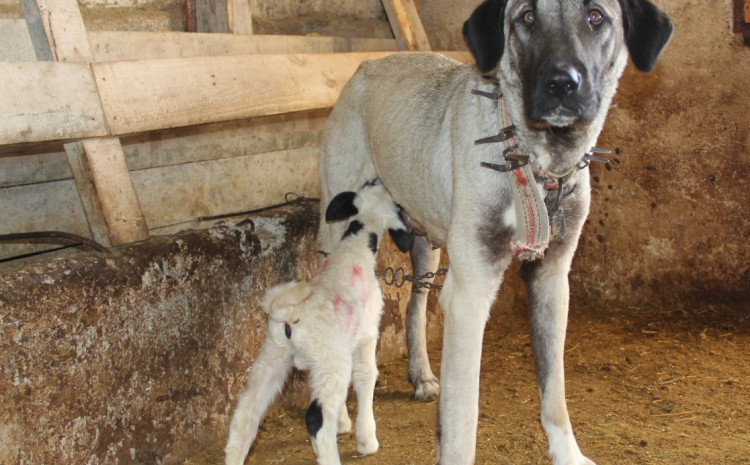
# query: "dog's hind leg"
[[424, 259], [267, 377]]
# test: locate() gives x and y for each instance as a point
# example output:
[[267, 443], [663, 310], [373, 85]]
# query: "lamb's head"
[[371, 209]]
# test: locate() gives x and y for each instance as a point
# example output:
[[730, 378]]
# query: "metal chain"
[[398, 278]]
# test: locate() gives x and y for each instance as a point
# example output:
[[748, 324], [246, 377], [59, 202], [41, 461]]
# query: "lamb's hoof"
[[427, 391], [344, 424], [368, 447]]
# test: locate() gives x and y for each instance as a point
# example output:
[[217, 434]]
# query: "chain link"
[[398, 277]]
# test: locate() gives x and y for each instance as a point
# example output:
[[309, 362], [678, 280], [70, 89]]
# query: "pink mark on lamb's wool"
[[357, 277], [341, 304], [357, 281]]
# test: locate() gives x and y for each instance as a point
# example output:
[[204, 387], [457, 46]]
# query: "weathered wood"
[[406, 25], [45, 101], [118, 46], [106, 189], [240, 16], [212, 16], [64, 29], [155, 94], [49, 101], [42, 163], [174, 197], [39, 207], [37, 30]]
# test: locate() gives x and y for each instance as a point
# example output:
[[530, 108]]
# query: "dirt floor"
[[644, 386]]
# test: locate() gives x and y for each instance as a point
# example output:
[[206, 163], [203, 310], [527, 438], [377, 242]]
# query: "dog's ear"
[[341, 207], [483, 33], [402, 238], [285, 295], [647, 31]]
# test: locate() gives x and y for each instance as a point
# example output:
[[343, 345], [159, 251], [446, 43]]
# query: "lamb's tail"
[[267, 378]]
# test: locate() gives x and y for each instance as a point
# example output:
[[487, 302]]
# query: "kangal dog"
[[491, 161]]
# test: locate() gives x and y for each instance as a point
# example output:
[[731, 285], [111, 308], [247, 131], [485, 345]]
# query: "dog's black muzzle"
[[562, 94]]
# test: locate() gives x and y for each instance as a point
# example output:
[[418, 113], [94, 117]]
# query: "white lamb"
[[329, 327]]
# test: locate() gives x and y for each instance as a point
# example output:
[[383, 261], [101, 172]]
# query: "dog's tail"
[[267, 378]]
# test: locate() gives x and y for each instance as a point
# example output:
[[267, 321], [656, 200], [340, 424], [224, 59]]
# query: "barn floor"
[[645, 386]]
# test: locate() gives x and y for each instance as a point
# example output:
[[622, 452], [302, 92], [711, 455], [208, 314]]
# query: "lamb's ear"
[[285, 295], [341, 207], [483, 33], [402, 238], [647, 31]]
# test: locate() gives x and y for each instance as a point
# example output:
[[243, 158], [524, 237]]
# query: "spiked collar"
[[533, 219]]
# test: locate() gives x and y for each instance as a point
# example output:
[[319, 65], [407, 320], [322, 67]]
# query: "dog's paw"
[[579, 459], [369, 446], [427, 391]]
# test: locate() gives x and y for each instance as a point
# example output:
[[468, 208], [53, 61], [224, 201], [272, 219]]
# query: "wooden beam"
[[106, 189], [158, 94], [37, 31], [46, 101], [406, 25], [142, 45], [240, 16], [211, 16], [64, 29]]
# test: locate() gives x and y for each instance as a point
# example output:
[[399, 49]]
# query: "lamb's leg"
[[330, 385], [364, 376], [424, 259], [267, 377]]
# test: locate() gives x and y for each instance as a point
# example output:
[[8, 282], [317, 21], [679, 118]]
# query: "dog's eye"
[[529, 17], [595, 17]]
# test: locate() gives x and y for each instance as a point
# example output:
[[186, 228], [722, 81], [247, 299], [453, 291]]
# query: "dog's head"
[[371, 210], [565, 56]]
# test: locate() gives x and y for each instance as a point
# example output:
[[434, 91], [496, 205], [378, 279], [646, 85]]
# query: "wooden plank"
[[51, 206], [37, 31], [48, 101], [64, 29], [406, 25], [45, 101], [173, 197], [240, 16], [156, 94], [15, 42], [119, 46], [23, 164], [107, 193], [211, 16]]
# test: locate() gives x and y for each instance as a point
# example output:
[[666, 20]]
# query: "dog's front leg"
[[424, 259], [466, 298], [548, 290]]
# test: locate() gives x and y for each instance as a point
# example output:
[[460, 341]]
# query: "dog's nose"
[[563, 80]]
